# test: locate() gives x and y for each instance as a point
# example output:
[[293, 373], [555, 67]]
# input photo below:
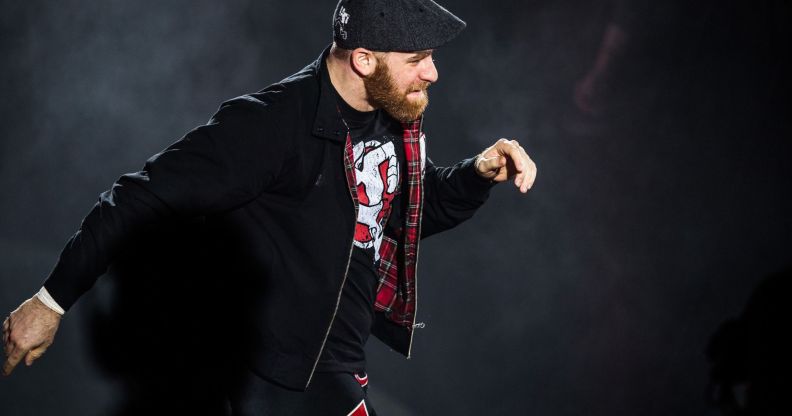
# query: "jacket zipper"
[[349, 259], [417, 243], [343, 281]]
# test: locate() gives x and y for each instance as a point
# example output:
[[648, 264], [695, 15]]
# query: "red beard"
[[383, 93]]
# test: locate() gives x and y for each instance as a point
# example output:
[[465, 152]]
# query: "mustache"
[[420, 86]]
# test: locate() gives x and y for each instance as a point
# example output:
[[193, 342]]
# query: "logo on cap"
[[341, 20]]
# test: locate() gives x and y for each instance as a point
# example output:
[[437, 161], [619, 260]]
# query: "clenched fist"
[[28, 332]]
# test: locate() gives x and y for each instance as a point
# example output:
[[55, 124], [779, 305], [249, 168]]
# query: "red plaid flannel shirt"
[[396, 291]]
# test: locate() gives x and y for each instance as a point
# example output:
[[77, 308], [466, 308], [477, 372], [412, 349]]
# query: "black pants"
[[329, 394]]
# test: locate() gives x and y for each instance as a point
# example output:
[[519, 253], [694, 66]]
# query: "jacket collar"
[[327, 123]]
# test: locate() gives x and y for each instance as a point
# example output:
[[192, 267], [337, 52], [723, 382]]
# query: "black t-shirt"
[[379, 168]]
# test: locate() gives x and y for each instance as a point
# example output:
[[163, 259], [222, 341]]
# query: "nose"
[[429, 71]]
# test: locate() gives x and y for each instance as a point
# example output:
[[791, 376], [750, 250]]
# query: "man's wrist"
[[479, 174], [45, 298]]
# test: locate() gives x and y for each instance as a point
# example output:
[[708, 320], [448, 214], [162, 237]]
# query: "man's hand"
[[506, 159], [28, 332]]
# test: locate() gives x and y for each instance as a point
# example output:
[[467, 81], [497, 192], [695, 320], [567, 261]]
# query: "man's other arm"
[[213, 168]]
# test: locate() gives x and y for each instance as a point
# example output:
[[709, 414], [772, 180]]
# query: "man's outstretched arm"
[[454, 193], [214, 168]]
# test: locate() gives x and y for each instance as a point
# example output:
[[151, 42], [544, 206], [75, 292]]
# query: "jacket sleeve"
[[451, 195], [213, 168]]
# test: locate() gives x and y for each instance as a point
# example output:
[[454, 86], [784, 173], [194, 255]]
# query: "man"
[[319, 189]]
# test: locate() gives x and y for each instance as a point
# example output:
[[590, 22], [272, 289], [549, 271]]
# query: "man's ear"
[[363, 61]]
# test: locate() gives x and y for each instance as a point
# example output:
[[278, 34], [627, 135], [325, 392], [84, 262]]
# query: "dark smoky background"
[[663, 195]]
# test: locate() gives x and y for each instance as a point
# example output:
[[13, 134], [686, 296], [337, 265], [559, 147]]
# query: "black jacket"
[[267, 174]]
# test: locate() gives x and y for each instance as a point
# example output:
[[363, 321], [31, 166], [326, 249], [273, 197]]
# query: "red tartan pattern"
[[396, 291]]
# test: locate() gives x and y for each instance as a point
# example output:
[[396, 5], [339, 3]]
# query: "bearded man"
[[322, 189]]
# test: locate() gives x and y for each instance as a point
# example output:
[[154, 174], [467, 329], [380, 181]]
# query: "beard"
[[383, 93]]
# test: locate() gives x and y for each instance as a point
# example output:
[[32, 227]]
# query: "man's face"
[[399, 83]]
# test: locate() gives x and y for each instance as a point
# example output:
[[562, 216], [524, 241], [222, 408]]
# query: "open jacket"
[[270, 173]]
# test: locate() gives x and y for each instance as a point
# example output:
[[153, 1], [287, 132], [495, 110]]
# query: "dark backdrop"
[[595, 294]]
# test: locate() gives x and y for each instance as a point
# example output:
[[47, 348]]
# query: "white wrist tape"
[[47, 299]]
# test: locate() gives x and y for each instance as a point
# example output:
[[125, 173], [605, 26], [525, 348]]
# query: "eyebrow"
[[420, 55]]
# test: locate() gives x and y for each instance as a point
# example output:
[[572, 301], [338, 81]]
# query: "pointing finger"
[[512, 148], [530, 171], [14, 356]]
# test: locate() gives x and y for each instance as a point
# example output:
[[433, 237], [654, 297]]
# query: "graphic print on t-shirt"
[[377, 176]]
